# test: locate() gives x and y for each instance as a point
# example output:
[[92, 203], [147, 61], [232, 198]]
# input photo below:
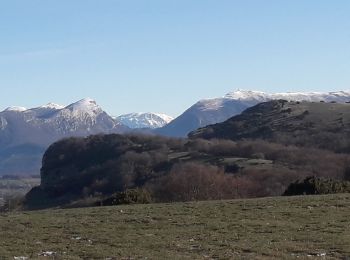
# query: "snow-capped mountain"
[[145, 120], [216, 110], [16, 109], [26, 133], [245, 95]]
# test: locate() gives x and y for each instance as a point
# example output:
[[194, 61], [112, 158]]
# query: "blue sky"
[[164, 55]]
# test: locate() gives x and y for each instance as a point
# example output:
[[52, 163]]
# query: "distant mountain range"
[[43, 125], [216, 110], [144, 120], [26, 133]]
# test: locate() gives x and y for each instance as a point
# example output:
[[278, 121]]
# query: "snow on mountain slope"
[[216, 110], [86, 106], [247, 95], [340, 96], [41, 126], [144, 120], [43, 111], [15, 109], [52, 106]]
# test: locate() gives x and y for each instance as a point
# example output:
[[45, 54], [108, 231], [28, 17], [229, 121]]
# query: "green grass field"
[[309, 227]]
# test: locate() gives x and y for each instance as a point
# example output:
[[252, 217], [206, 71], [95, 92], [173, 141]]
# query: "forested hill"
[[91, 170]]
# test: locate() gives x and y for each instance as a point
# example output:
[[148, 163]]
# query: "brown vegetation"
[[194, 181], [176, 169]]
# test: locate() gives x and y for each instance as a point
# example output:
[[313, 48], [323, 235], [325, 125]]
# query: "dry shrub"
[[272, 182], [218, 147], [195, 181], [316, 161]]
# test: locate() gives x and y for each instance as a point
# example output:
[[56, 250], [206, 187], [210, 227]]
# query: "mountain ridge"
[[37, 128], [302, 123], [215, 110]]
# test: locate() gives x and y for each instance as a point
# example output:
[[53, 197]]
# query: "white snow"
[[211, 104], [144, 120], [84, 116], [250, 98], [3, 122], [165, 117], [47, 253], [245, 95], [84, 106], [16, 109], [52, 106]]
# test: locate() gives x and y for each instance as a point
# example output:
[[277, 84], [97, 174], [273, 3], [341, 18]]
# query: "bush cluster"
[[129, 196], [314, 185]]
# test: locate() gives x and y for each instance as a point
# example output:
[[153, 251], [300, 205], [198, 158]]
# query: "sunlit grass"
[[279, 228]]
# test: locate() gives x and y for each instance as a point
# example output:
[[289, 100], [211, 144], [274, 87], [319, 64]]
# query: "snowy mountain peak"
[[16, 109], [246, 95], [85, 106], [144, 120], [52, 106]]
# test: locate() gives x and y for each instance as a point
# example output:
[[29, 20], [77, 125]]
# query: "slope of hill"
[[170, 170], [144, 120], [26, 133], [211, 111], [304, 227], [314, 124]]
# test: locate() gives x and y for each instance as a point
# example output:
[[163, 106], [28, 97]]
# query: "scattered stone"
[[47, 253]]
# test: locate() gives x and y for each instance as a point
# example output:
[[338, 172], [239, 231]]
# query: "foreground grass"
[[280, 228]]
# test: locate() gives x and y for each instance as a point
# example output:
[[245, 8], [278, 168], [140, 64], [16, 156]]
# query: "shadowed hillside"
[[320, 125]]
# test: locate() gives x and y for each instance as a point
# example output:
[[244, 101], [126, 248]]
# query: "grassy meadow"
[[306, 227]]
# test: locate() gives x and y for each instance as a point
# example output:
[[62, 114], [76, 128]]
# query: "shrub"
[[271, 182], [347, 173], [314, 185], [130, 196], [198, 181]]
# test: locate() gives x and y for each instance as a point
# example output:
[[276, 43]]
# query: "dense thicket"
[[314, 186], [104, 166]]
